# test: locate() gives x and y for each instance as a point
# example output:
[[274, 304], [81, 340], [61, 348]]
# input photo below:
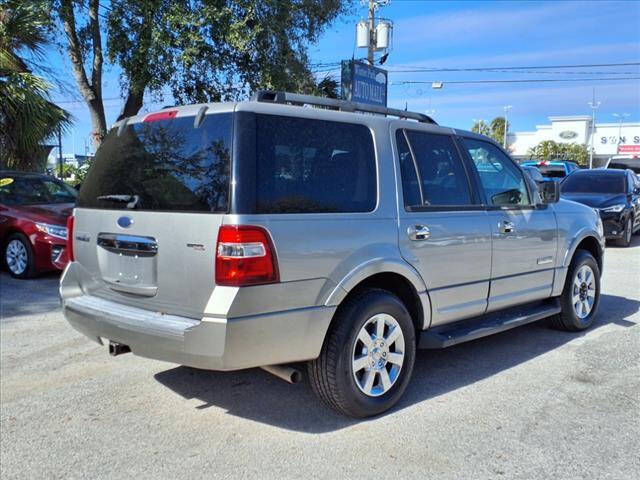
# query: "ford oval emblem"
[[125, 222]]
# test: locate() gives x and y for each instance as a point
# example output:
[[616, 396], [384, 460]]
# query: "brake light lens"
[[245, 256], [70, 238], [167, 115]]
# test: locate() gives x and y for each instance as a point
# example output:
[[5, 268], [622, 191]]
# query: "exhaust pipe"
[[116, 349], [288, 374]]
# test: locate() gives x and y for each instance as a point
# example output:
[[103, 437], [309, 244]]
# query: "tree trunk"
[[133, 104], [91, 92]]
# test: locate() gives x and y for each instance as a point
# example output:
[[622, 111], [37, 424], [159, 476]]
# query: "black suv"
[[614, 193]]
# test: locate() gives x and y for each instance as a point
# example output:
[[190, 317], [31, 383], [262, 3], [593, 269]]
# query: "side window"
[[313, 166], [502, 180], [410, 187], [440, 178]]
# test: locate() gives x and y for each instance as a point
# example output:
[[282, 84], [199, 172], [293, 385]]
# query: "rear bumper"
[[209, 343]]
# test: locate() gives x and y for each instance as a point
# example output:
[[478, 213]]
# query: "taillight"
[[70, 238], [166, 115], [245, 256]]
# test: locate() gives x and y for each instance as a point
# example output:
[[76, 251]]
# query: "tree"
[[497, 126], [27, 117], [495, 129], [83, 38], [548, 150], [481, 127], [201, 50]]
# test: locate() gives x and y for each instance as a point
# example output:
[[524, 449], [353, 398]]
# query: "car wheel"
[[367, 357], [18, 256], [625, 241], [581, 295]]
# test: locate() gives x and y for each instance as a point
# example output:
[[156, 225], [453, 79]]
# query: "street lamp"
[[620, 116], [480, 123], [594, 105], [506, 124]]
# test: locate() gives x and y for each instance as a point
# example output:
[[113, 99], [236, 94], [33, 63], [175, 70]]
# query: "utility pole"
[[506, 125], [594, 105], [372, 31], [620, 116], [60, 152]]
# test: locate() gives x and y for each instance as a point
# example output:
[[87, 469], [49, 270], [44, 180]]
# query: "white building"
[[608, 138]]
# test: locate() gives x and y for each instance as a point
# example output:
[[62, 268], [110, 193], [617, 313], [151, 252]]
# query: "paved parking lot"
[[528, 403]]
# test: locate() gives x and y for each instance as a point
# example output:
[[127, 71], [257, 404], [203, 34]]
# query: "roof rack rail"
[[270, 96]]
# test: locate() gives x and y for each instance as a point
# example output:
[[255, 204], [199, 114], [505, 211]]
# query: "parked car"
[[624, 162], [260, 233], [614, 193], [555, 170], [33, 216]]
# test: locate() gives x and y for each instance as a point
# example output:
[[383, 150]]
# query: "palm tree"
[[27, 117]]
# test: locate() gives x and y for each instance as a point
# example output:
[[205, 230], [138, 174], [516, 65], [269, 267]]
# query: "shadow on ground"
[[28, 297], [256, 395]]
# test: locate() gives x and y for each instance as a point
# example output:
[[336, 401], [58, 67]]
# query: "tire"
[[18, 256], [332, 374], [625, 241], [577, 286]]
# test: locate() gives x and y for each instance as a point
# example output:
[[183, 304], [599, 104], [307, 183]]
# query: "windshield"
[[164, 165], [589, 183], [34, 190]]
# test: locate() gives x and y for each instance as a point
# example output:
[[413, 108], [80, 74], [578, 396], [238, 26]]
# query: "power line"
[[534, 80], [413, 69]]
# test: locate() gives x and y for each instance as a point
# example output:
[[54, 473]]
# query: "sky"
[[470, 34]]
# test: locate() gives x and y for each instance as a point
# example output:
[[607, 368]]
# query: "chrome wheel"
[[583, 291], [628, 231], [17, 257], [378, 354]]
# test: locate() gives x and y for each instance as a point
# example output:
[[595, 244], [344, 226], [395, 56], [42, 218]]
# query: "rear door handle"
[[418, 232], [506, 227]]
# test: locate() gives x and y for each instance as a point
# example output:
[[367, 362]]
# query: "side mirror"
[[549, 191]]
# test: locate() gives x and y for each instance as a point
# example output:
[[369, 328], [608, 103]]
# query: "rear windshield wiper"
[[131, 200]]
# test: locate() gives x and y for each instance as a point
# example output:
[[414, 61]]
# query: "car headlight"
[[53, 230], [614, 208]]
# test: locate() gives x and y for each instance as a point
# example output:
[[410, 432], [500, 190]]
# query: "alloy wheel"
[[583, 291], [378, 355], [17, 257]]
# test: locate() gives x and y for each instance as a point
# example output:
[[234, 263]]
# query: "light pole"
[[480, 123], [620, 116], [506, 124], [594, 105]]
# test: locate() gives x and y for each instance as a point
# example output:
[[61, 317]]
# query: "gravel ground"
[[528, 403]]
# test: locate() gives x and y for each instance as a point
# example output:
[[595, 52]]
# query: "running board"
[[451, 334]]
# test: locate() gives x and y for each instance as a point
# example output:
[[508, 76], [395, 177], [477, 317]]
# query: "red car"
[[33, 215]]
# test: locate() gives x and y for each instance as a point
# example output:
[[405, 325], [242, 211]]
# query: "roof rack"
[[270, 96]]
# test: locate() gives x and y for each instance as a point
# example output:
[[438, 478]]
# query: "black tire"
[[568, 319], [29, 270], [331, 374], [625, 241]]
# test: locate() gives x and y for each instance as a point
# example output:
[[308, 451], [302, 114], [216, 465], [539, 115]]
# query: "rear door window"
[[313, 166], [164, 165], [432, 171]]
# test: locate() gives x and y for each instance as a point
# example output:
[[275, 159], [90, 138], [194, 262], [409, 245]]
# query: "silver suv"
[[262, 233]]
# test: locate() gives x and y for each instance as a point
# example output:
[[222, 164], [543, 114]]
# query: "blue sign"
[[362, 83]]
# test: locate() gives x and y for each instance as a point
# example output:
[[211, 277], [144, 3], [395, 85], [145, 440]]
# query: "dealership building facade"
[[608, 139]]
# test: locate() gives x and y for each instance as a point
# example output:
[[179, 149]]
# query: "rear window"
[[552, 171], [313, 166], [593, 183], [164, 165]]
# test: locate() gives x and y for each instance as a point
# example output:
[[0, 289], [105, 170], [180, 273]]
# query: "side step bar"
[[451, 334]]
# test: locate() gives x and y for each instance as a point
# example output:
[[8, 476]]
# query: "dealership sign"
[[363, 83], [568, 134], [629, 149]]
